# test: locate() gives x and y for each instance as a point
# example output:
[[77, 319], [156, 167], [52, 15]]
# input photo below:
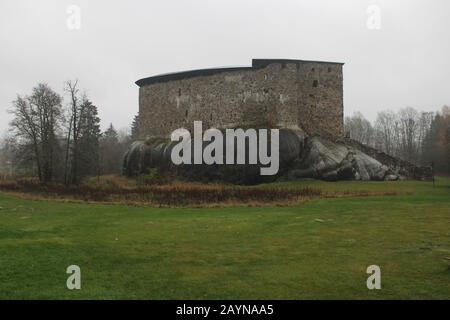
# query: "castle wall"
[[320, 99], [279, 94]]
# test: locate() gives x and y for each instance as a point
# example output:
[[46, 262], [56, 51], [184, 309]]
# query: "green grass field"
[[316, 250]]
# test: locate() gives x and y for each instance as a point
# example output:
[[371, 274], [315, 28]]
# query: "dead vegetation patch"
[[121, 190]]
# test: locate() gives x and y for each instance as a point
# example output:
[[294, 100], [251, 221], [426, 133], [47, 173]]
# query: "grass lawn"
[[316, 250]]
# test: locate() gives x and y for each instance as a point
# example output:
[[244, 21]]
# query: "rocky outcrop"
[[327, 160], [400, 167], [156, 153], [300, 158]]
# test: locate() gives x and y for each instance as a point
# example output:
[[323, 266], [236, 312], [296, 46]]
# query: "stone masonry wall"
[[320, 99], [290, 94]]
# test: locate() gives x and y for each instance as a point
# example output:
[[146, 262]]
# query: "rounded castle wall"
[[306, 95]]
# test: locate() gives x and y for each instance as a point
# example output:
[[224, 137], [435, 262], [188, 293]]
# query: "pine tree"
[[111, 154], [135, 128], [436, 142], [89, 140]]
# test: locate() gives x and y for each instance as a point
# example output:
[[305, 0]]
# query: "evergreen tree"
[[89, 140], [436, 143], [111, 155], [135, 128]]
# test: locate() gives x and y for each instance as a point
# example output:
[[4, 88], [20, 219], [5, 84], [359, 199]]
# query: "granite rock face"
[[300, 158], [156, 153], [327, 160]]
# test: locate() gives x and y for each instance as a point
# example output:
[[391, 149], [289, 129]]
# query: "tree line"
[[58, 137], [422, 138]]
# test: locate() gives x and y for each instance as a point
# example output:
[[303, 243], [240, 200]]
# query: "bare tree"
[[385, 126], [82, 142], [359, 128], [76, 109], [408, 125], [35, 121]]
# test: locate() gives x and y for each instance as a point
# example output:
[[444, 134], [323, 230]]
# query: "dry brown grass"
[[122, 190], [112, 189]]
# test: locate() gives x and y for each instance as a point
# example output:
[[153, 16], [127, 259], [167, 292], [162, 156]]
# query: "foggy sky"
[[405, 63]]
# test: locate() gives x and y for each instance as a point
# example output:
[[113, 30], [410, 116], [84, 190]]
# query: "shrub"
[[155, 176]]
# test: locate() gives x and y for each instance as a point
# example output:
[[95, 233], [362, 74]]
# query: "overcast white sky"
[[405, 63]]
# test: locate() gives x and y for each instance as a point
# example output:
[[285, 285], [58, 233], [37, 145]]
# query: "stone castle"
[[304, 99], [292, 94]]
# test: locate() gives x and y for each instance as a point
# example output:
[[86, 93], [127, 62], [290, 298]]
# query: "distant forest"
[[422, 138]]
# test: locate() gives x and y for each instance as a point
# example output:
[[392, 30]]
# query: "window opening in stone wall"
[[329, 69], [315, 83]]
